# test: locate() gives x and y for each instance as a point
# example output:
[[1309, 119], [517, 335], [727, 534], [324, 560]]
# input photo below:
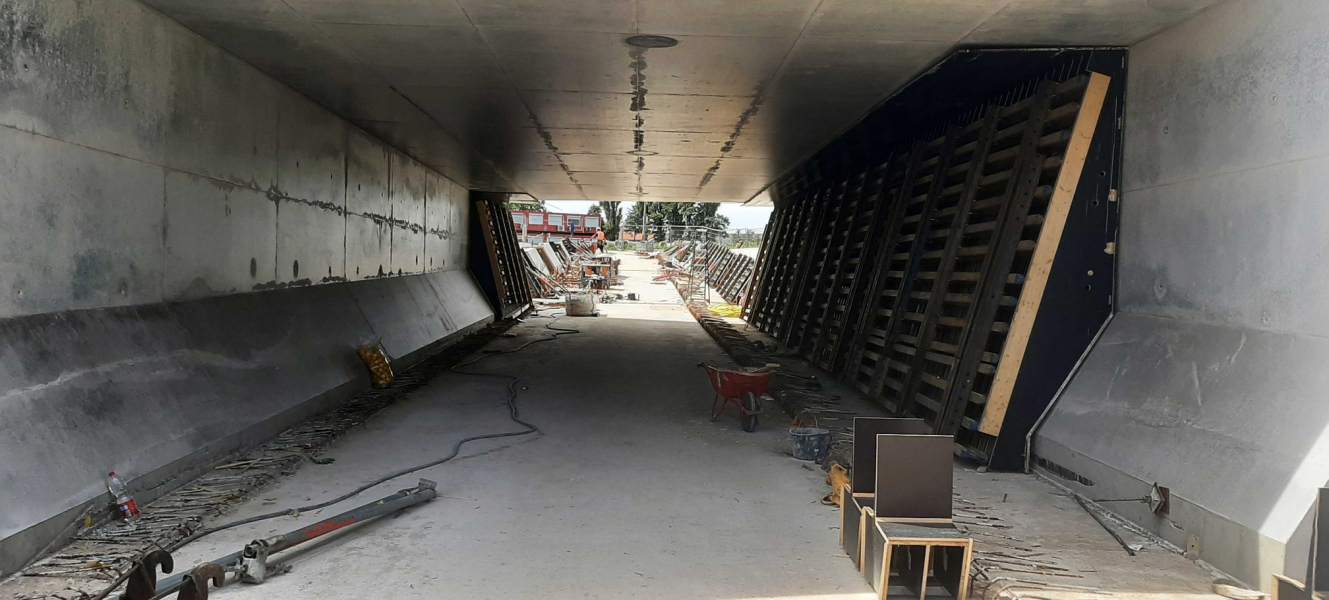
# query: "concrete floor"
[[630, 492]]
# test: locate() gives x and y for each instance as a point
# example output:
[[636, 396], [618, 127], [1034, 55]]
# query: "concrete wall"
[[167, 217], [142, 164], [1212, 380]]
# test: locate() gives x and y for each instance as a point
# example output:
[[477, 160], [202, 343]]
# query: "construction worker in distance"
[[599, 239]]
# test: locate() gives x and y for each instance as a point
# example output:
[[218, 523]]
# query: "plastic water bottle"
[[118, 490]]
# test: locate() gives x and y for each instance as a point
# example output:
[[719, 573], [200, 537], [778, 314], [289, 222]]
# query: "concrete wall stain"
[[758, 98], [637, 106], [91, 275]]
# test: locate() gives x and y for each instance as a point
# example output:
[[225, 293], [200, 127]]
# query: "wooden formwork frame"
[[932, 177], [809, 322], [871, 299], [848, 255], [867, 272], [1049, 240], [505, 258], [935, 296], [729, 273], [965, 544], [793, 314], [1015, 199]]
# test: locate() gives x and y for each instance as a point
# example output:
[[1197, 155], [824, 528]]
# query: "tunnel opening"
[[261, 260]]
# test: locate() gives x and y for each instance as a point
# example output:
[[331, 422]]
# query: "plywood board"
[[873, 546], [914, 476], [1040, 266], [851, 517], [866, 430], [550, 260]]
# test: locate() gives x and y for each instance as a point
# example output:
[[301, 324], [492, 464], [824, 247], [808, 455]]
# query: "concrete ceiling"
[[545, 97]]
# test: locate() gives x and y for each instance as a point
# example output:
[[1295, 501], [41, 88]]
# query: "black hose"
[[514, 414]]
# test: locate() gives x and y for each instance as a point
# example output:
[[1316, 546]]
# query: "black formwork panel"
[[496, 259], [952, 255], [860, 494]]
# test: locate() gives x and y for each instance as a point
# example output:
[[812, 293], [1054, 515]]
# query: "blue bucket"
[[810, 443]]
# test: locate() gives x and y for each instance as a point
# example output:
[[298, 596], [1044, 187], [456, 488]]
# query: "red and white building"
[[539, 226]]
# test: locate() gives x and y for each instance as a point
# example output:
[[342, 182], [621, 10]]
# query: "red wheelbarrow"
[[743, 389]]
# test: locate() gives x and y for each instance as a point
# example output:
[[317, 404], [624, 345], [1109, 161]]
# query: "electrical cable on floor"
[[514, 414]]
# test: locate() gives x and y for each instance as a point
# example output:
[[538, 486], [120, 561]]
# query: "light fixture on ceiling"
[[651, 41]]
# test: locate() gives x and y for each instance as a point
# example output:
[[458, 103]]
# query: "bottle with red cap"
[[118, 490]]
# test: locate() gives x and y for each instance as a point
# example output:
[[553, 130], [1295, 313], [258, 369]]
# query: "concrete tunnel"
[[1080, 238]]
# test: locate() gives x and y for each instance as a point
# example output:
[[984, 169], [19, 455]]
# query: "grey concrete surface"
[[545, 97], [1039, 519], [1211, 380], [150, 391], [1032, 516], [630, 491], [152, 183], [143, 164]]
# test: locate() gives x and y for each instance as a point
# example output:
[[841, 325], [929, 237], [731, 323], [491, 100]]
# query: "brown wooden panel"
[[914, 476], [863, 479]]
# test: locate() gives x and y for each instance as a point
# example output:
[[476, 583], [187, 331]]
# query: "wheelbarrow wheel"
[[747, 418]]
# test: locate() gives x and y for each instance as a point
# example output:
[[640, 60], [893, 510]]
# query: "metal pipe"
[[424, 491], [1029, 437]]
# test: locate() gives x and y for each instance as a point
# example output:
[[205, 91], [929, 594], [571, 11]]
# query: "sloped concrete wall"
[[189, 253], [152, 390], [1212, 379]]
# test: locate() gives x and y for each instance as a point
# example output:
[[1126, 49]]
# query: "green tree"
[[665, 214], [613, 216], [522, 202]]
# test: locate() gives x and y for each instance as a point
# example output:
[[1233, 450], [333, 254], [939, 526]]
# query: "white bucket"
[[581, 304]]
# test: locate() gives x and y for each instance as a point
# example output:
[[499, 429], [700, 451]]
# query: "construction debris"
[[101, 557], [1002, 563], [557, 268]]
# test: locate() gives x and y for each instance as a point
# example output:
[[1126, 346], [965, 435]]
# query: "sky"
[[740, 217]]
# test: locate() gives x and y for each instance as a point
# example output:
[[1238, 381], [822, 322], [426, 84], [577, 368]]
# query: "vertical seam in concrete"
[[345, 201], [392, 230], [165, 230], [424, 223], [276, 202]]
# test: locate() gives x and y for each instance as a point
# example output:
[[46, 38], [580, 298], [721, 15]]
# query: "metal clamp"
[[143, 579], [254, 562], [195, 585]]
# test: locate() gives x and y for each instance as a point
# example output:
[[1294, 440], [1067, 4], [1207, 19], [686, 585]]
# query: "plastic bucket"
[[581, 304], [810, 443]]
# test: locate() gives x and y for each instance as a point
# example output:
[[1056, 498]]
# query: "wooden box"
[[914, 560], [863, 478], [853, 523]]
